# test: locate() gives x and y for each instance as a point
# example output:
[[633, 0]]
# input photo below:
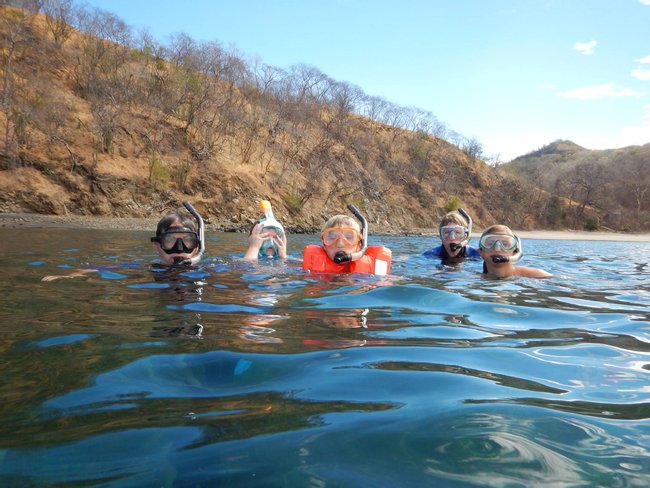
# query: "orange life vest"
[[376, 261]]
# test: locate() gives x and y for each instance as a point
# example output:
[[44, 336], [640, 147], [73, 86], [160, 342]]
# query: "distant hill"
[[615, 181], [558, 148], [95, 121]]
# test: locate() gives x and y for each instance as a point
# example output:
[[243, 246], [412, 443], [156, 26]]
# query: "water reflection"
[[240, 374]]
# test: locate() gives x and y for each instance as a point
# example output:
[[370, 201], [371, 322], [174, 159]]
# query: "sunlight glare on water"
[[241, 374]]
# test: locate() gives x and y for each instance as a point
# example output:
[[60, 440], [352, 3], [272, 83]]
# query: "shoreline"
[[24, 220]]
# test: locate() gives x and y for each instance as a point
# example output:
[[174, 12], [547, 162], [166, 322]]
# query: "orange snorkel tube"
[[344, 257]]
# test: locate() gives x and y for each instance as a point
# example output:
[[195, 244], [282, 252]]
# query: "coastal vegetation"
[[96, 119]]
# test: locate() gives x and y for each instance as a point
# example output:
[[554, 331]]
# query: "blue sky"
[[514, 74]]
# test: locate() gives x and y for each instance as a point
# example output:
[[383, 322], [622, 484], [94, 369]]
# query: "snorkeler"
[[455, 232], [179, 241], [345, 248], [267, 238], [500, 249]]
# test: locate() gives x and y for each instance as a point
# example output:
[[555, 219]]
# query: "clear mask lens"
[[504, 242], [453, 232], [349, 235], [179, 241], [266, 245]]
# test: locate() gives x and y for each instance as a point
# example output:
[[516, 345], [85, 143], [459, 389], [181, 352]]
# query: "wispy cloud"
[[641, 74], [645, 59], [586, 48], [645, 2], [597, 92]]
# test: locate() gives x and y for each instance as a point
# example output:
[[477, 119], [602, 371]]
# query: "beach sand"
[[149, 224]]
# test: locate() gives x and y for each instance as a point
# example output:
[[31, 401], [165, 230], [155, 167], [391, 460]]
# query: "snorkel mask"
[[344, 257], [455, 246], [185, 244], [504, 243], [269, 244], [269, 223]]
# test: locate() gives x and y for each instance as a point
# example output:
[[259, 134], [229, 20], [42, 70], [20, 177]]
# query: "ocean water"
[[240, 374]]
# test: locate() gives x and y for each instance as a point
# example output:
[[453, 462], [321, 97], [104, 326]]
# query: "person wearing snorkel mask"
[[500, 249], [266, 238], [455, 233], [266, 242], [177, 240], [341, 234]]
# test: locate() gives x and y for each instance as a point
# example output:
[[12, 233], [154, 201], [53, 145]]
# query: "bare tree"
[[639, 182], [15, 40], [59, 18], [587, 181]]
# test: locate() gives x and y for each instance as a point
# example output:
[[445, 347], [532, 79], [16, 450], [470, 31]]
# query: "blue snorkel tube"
[[201, 226], [342, 256]]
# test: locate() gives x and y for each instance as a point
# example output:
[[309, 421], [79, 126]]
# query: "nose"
[[178, 247], [340, 240]]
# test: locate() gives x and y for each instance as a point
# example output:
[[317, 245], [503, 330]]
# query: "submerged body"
[[500, 249]]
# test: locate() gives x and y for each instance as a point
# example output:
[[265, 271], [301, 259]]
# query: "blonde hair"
[[341, 221], [454, 217], [498, 229]]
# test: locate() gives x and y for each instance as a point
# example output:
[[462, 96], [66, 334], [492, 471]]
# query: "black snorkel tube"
[[455, 246], [344, 257], [201, 227]]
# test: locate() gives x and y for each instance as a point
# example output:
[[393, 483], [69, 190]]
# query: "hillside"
[[96, 122], [616, 181]]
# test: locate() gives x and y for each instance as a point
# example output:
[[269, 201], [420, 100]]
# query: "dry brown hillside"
[[96, 122]]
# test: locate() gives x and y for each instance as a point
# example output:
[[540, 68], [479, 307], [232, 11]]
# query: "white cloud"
[[585, 47], [597, 92], [641, 74], [644, 60], [645, 2]]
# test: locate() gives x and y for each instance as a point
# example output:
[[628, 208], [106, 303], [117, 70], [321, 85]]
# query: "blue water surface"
[[241, 374]]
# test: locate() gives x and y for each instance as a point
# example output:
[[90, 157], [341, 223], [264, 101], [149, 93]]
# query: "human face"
[[453, 233], [177, 244], [497, 249], [498, 242], [337, 239]]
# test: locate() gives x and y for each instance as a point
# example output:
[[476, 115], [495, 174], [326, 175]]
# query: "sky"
[[513, 74]]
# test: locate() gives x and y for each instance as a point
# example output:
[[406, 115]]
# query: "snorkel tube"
[[510, 259], [455, 246], [344, 257], [201, 227], [269, 222]]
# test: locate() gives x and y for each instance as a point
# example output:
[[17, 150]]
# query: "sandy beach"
[[117, 223]]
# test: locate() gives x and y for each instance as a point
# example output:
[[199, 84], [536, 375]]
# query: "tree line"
[[186, 105], [616, 182]]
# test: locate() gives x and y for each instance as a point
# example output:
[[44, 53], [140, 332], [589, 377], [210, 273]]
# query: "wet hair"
[[341, 221], [175, 218], [453, 218], [498, 229]]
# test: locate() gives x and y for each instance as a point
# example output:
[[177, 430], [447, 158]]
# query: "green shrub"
[[159, 173], [294, 203], [183, 171], [453, 203], [592, 223]]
